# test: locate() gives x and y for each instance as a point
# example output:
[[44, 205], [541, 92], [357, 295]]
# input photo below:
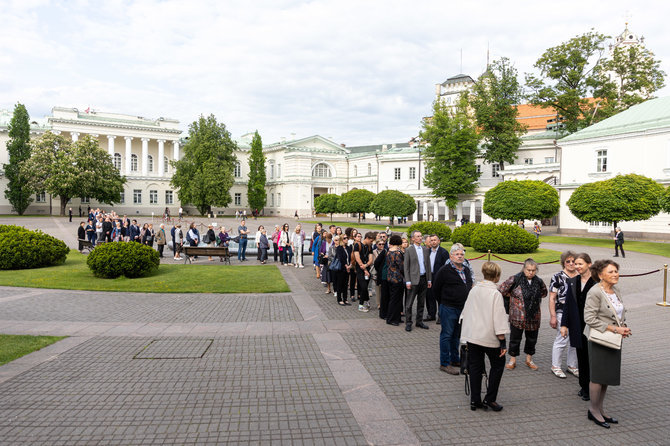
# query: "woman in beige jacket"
[[604, 311], [484, 326]]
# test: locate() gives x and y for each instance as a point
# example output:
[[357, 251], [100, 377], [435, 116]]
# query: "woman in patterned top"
[[396, 279]]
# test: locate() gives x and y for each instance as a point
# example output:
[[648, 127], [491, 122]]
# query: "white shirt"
[[433, 254], [419, 254]]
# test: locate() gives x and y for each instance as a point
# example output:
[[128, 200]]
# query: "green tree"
[[452, 148], [66, 170], [569, 74], [393, 203], [204, 176], [356, 201], [494, 99], [664, 200], [18, 190], [256, 185], [622, 198], [521, 200], [327, 204]]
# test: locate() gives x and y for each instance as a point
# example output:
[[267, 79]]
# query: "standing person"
[[81, 235], [285, 245], [149, 236], [537, 229], [296, 214], [174, 244], [69, 212], [166, 213], [117, 233], [524, 291], [79, 211], [484, 326], [395, 263], [298, 241], [381, 278], [604, 311], [342, 275], [242, 248], [161, 239], [362, 256], [618, 243], [451, 285], [558, 289], [418, 278], [193, 237], [134, 232], [257, 238], [107, 229], [379, 249], [438, 258], [316, 242], [263, 246], [327, 246], [275, 241], [178, 241], [125, 231], [572, 322], [90, 232], [181, 212]]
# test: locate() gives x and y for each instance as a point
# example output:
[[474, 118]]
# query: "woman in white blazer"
[[484, 326]]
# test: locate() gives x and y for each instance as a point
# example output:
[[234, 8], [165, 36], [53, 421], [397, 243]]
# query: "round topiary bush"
[[431, 227], [129, 259], [503, 238], [21, 248], [462, 234]]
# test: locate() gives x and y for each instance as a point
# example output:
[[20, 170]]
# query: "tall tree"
[[204, 176], [569, 75], [327, 204], [521, 200], [452, 148], [393, 203], [18, 191], [256, 186], [356, 201], [494, 99], [66, 170]]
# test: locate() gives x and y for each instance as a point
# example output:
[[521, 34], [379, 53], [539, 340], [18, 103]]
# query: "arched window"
[[369, 169], [238, 170], [321, 170], [150, 163], [355, 171], [166, 164], [133, 163], [117, 161]]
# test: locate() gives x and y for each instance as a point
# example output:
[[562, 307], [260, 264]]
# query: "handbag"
[[323, 259], [335, 265], [606, 338]]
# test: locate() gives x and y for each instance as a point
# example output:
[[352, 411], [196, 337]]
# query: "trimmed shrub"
[[431, 227], [129, 259], [462, 234], [21, 248], [504, 238]]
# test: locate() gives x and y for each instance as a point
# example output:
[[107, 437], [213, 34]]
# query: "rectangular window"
[[123, 198], [137, 196], [272, 171], [41, 197], [238, 170], [238, 199], [412, 173], [601, 161], [479, 168], [528, 161], [278, 170], [153, 197], [85, 200], [272, 200], [168, 197], [396, 173], [549, 159], [494, 170], [278, 198]]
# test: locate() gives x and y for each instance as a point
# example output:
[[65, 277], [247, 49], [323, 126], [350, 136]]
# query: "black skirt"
[[605, 364]]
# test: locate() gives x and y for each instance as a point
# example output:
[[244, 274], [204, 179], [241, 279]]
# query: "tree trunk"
[[359, 218], [63, 205], [393, 221]]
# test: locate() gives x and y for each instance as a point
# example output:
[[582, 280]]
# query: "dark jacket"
[[573, 309], [81, 233], [263, 242], [342, 254], [449, 288], [134, 232], [107, 227], [380, 261], [441, 258]]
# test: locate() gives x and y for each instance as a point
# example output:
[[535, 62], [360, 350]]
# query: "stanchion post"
[[665, 287], [489, 258]]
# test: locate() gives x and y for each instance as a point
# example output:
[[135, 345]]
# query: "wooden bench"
[[219, 251], [85, 244]]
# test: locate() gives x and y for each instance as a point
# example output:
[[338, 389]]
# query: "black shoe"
[[599, 423], [583, 395], [429, 318], [615, 256], [494, 406], [610, 420], [395, 324], [475, 406], [347, 303], [422, 325], [408, 328], [438, 322]]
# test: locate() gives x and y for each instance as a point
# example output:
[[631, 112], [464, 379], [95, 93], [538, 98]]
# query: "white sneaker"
[[301, 266], [363, 308]]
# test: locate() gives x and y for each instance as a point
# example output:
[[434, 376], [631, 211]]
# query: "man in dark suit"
[[438, 257], [618, 243], [107, 229], [134, 232], [418, 278]]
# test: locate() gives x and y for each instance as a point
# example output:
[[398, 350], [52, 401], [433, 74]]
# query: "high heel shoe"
[[599, 423]]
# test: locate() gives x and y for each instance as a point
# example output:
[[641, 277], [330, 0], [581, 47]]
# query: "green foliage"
[[327, 204], [66, 169], [494, 100], [204, 175], [664, 200], [18, 190], [129, 259], [622, 198], [256, 195], [356, 201], [431, 227], [503, 239], [393, 203], [568, 76], [21, 248], [452, 149], [463, 234], [521, 200]]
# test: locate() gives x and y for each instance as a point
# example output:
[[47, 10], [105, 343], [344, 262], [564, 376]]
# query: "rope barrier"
[[476, 258], [641, 274]]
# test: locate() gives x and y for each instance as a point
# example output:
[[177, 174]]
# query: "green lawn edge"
[[656, 248], [169, 278], [14, 346]]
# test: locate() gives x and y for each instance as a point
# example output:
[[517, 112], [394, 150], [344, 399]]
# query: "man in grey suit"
[[418, 278]]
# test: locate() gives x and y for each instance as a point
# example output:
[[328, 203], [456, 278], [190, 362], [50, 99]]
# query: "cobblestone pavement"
[[296, 368]]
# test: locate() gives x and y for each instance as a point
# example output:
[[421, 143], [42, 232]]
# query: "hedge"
[[130, 259], [463, 233], [503, 238], [21, 248], [431, 227]]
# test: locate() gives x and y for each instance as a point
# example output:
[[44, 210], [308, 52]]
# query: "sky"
[[357, 71]]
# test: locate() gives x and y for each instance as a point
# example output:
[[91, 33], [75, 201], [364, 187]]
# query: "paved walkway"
[[295, 368]]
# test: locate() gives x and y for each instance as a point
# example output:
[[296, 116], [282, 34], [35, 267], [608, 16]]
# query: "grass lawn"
[[15, 346], [541, 255], [657, 248], [169, 278]]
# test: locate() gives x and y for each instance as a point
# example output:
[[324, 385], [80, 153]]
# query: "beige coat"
[[484, 316], [598, 311]]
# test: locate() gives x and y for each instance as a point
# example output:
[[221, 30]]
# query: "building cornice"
[[141, 128]]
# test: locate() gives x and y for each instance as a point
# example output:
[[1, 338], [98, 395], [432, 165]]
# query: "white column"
[[161, 155], [175, 150], [424, 211], [75, 136], [436, 211], [110, 145], [415, 215], [145, 157], [446, 211], [473, 211], [459, 211], [129, 140]]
